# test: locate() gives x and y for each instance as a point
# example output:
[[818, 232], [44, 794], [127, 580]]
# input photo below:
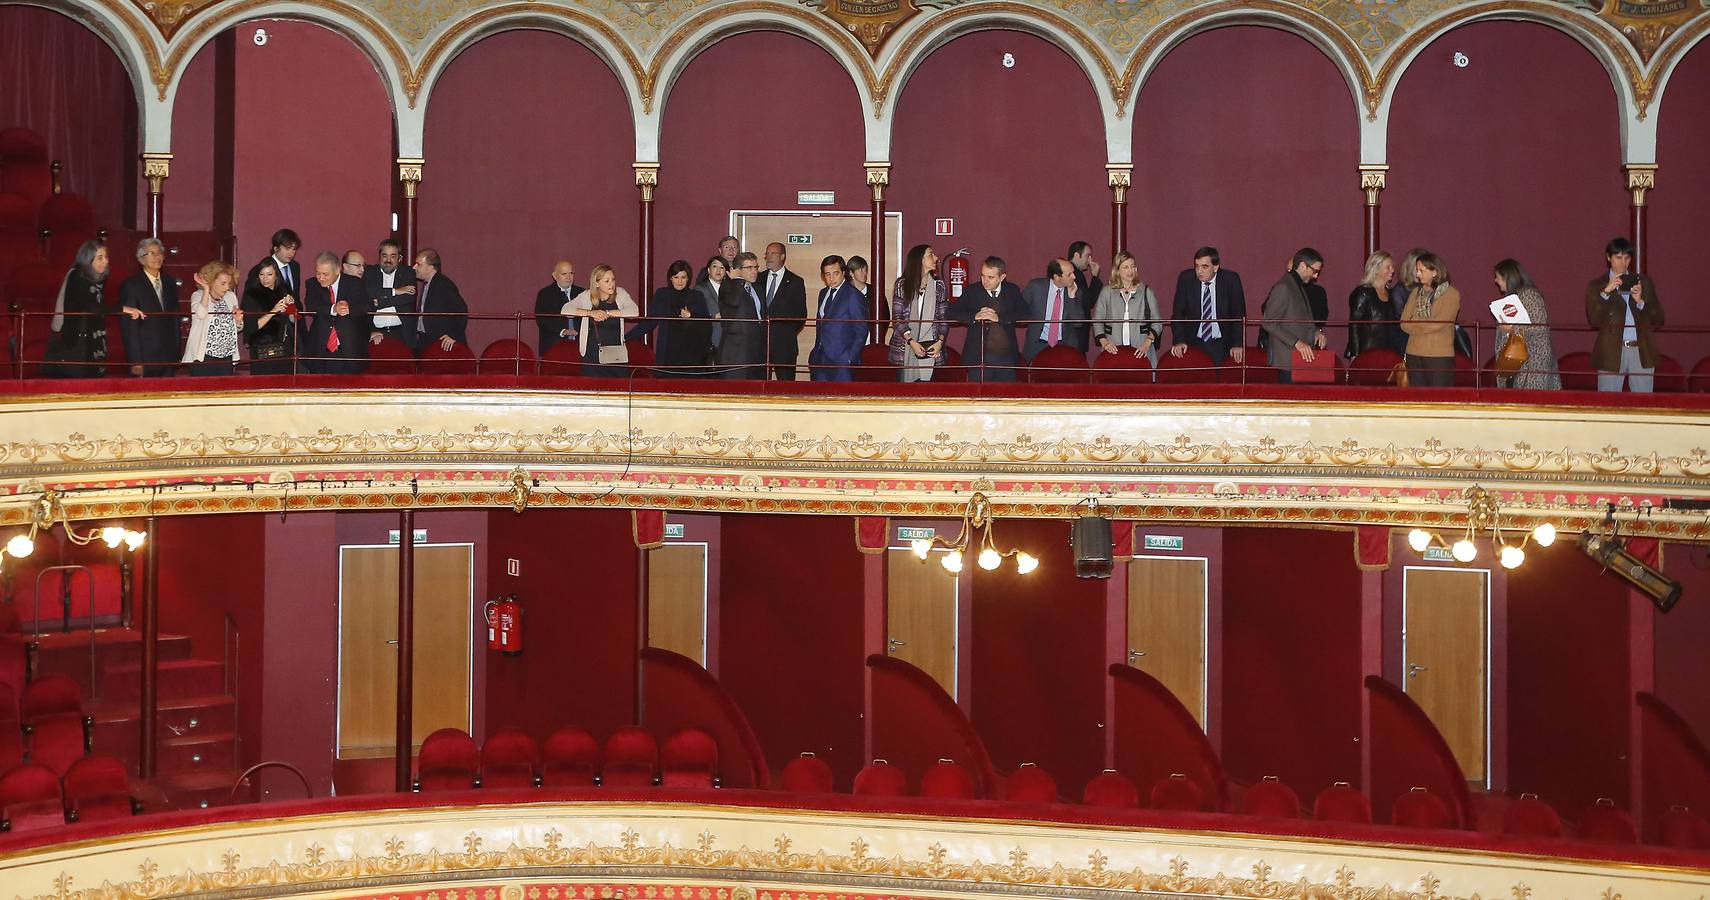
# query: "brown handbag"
[[1398, 375], [1513, 355]]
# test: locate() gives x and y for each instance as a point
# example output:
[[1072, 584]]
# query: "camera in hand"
[[1628, 279]]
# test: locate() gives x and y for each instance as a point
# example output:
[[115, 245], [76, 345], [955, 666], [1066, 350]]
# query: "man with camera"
[[1623, 306]]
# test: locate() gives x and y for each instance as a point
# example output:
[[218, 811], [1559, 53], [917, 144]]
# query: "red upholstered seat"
[[1467, 374], [509, 759], [1111, 789], [641, 359], [35, 281], [950, 369], [1419, 808], [1255, 368], [1683, 829], [448, 761], [1699, 380], [11, 729], [876, 364], [18, 247], [561, 359], [1408, 751], [65, 212], [1670, 377], [501, 358], [689, 758], [390, 357], [436, 360], [631, 759], [1122, 367], [806, 774], [1192, 367], [30, 798], [1061, 364], [1531, 817], [16, 211], [98, 788], [1272, 799], [880, 779], [48, 695], [569, 758], [949, 781], [1340, 802], [62, 245], [1030, 784], [1373, 367], [1577, 374], [1177, 793], [1607, 823], [57, 740], [680, 694], [24, 167]]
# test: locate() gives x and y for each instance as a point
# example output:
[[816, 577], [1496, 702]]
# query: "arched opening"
[[529, 142], [1515, 153], [63, 82], [1682, 196], [1244, 140]]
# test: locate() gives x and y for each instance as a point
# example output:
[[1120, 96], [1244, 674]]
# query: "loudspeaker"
[[1089, 538], [1612, 553]]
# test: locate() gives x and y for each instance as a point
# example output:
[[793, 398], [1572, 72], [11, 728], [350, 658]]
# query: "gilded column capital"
[[410, 173], [647, 178], [878, 178], [1121, 179], [156, 168], [1641, 178], [1372, 180]]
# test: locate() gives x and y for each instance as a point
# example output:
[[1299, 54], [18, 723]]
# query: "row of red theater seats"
[[94, 788], [43, 724], [570, 757]]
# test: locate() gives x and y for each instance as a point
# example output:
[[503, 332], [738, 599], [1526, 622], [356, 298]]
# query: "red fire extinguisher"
[[504, 625], [957, 272]]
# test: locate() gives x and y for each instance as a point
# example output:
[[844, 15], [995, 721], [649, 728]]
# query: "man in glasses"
[[1288, 319], [742, 352]]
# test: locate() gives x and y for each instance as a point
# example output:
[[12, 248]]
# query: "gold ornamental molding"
[[591, 31], [602, 849], [234, 14], [786, 18], [1641, 179]]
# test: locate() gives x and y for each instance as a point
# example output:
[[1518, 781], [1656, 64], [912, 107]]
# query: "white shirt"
[[387, 280]]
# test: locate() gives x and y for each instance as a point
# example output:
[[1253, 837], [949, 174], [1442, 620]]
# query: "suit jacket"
[[404, 304], [840, 334], [1287, 319], [154, 340], [352, 329], [709, 296], [296, 285], [1229, 298], [440, 295], [990, 344], [785, 315], [548, 316], [1090, 288], [1610, 317], [744, 342], [1038, 297]]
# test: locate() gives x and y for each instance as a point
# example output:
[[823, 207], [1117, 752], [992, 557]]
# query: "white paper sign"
[[1510, 311]]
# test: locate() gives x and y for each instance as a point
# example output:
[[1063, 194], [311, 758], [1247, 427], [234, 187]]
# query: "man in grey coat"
[[1288, 319]]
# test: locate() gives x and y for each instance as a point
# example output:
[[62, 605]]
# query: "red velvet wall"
[[1682, 668], [753, 119], [529, 145], [212, 573], [1681, 197], [1037, 692], [61, 80], [790, 635], [1291, 656], [1246, 139], [1015, 155], [1518, 154], [578, 590], [1568, 702], [302, 636], [313, 143], [189, 193]]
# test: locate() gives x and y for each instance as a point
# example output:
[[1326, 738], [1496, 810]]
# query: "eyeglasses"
[[356, 265], [749, 266], [1315, 269]]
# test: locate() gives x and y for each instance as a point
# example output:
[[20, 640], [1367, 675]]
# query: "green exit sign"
[[1439, 554], [673, 529], [801, 239], [907, 533], [1163, 542]]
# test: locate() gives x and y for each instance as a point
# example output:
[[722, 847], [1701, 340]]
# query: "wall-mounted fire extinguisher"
[[957, 272], [504, 625]]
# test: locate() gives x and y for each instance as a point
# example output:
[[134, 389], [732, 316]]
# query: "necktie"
[[771, 287], [332, 330], [1206, 312], [421, 307], [1054, 317], [158, 294], [824, 299], [758, 313], [286, 272]]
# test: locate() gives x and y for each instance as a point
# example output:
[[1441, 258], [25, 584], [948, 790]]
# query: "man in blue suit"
[[840, 323]]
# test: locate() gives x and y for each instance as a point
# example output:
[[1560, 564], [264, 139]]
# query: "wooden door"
[[677, 600], [1445, 638], [368, 633], [920, 615], [1166, 625], [842, 234]]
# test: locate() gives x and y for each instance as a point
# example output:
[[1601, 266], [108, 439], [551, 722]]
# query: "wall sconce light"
[[49, 509], [977, 516], [1484, 517]]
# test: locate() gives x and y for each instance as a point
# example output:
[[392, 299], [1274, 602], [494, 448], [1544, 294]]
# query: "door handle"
[[892, 643], [1134, 655], [393, 643], [1413, 669]]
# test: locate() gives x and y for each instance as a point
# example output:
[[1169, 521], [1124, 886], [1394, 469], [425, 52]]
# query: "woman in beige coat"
[[1429, 322], [599, 336]]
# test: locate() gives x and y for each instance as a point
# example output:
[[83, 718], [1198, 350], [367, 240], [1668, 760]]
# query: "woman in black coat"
[[269, 323], [685, 341], [78, 348], [1371, 314]]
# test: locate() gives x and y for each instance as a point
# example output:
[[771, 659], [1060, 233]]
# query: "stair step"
[[117, 723], [199, 790], [57, 653], [178, 679], [208, 752]]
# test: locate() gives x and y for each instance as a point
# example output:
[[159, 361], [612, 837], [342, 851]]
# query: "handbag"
[[1398, 375], [614, 355], [1513, 355], [268, 350]]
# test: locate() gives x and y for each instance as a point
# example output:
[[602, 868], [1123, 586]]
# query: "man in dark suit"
[[991, 311], [338, 341], [742, 352], [839, 325], [284, 256], [1208, 296], [549, 303], [1054, 306], [785, 296], [151, 342], [1086, 275], [447, 314], [391, 287]]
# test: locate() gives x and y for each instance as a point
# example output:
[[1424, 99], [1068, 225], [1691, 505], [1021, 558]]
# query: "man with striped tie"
[[1208, 309]]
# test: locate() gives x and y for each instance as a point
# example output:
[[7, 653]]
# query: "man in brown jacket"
[[1623, 306]]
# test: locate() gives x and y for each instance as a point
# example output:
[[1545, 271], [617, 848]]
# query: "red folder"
[[1322, 369]]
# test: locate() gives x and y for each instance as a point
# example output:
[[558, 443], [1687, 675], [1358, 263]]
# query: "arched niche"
[[1677, 206]]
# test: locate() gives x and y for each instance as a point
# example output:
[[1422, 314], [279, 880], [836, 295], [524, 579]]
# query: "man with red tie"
[[338, 342], [1054, 308]]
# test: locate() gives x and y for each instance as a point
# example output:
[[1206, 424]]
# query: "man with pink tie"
[[1054, 308]]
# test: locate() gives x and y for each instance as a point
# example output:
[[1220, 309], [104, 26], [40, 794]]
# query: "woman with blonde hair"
[[1371, 312], [216, 322], [1127, 314], [599, 336], [1429, 320]]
